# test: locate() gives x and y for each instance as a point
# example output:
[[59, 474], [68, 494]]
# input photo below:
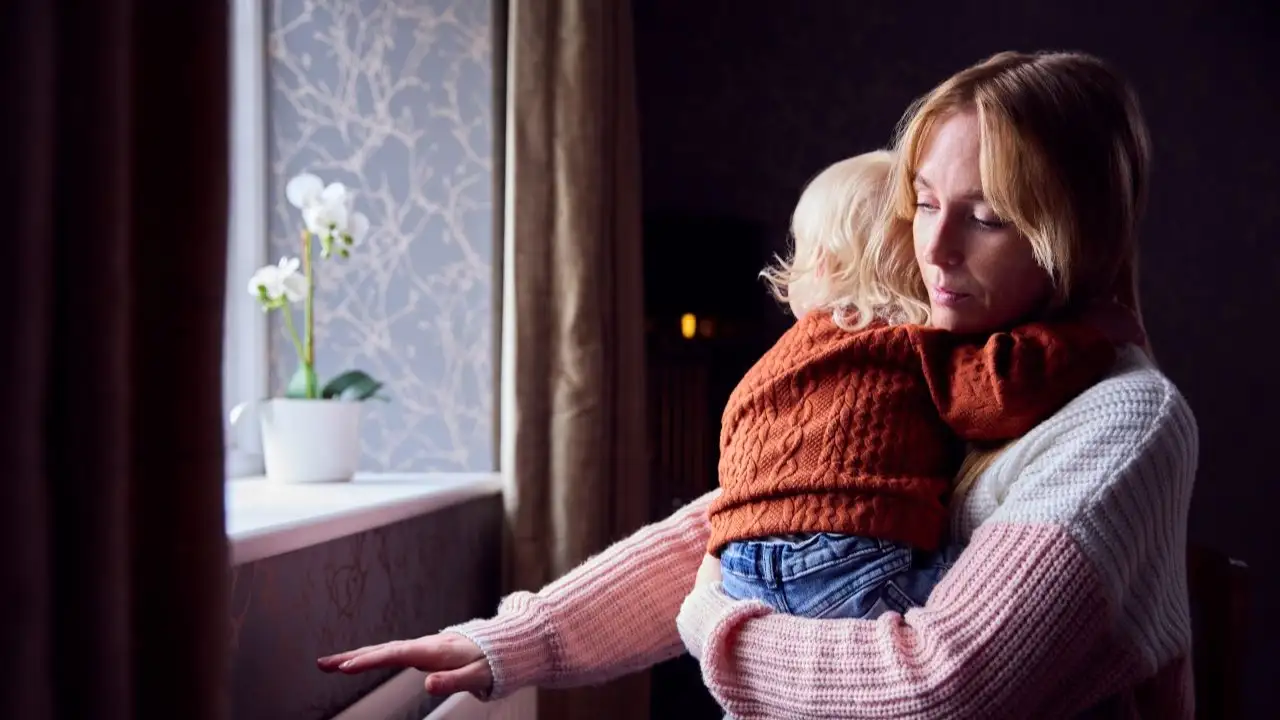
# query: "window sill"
[[265, 519]]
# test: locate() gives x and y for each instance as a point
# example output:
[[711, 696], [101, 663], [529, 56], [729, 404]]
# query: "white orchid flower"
[[358, 227], [304, 190], [294, 285], [327, 213], [335, 193], [330, 212], [277, 284], [316, 220]]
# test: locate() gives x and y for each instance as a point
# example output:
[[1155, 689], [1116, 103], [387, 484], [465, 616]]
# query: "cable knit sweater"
[[859, 432], [1069, 601]]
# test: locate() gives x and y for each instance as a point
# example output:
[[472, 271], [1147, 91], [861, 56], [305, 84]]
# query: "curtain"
[[113, 149], [573, 446]]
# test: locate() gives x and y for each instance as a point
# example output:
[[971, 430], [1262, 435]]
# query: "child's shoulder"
[[836, 323], [819, 348], [819, 334]]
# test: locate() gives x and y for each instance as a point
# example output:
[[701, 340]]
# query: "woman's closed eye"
[[989, 221], [990, 224], [986, 221]]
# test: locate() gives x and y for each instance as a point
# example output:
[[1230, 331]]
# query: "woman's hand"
[[452, 662], [708, 572]]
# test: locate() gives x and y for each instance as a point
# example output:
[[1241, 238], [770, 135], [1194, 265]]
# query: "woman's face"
[[980, 272]]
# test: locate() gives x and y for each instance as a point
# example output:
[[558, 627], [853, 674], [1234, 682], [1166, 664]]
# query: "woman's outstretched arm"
[[610, 616], [1071, 592]]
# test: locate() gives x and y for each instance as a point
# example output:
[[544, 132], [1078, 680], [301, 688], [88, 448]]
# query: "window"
[[394, 99], [244, 363]]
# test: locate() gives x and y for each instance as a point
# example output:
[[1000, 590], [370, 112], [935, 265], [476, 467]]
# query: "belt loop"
[[772, 563]]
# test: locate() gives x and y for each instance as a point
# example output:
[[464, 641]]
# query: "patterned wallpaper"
[[393, 98]]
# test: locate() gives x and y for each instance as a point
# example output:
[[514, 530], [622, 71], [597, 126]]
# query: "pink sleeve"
[[612, 615], [1019, 612]]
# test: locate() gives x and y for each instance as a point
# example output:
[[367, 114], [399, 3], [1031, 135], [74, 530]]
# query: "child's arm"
[[1000, 390]]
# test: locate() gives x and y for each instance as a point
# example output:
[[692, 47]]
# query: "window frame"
[[245, 365]]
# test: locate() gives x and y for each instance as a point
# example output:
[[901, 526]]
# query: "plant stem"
[[293, 331], [309, 350]]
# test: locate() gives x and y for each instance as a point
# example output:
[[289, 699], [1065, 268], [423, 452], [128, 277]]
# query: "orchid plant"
[[328, 220]]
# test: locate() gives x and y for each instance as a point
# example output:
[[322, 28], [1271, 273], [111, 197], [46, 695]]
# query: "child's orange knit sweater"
[[862, 432]]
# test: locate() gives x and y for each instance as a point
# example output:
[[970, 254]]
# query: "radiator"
[[463, 706], [395, 697]]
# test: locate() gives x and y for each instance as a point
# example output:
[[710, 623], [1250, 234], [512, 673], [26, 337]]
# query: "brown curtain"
[[573, 445], [114, 167]]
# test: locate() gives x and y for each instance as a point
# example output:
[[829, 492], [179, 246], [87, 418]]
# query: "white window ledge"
[[266, 519]]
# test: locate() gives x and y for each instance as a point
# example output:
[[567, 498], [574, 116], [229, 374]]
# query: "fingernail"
[[346, 665]]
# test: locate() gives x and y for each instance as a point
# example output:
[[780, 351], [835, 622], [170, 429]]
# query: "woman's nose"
[[944, 246]]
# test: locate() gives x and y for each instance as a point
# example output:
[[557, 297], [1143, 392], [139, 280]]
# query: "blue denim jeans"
[[832, 576]]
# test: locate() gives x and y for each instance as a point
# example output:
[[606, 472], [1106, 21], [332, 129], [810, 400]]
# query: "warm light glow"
[[688, 325]]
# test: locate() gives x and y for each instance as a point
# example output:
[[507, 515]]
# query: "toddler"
[[839, 446]]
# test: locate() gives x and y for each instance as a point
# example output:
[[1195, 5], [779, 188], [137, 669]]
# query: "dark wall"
[[743, 101], [400, 581]]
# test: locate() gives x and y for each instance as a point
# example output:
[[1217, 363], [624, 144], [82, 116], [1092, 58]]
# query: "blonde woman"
[[1018, 187], [839, 446]]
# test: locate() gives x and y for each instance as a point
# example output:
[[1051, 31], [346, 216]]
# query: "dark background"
[[743, 101]]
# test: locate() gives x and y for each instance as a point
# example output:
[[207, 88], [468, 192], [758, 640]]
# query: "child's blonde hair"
[[830, 228]]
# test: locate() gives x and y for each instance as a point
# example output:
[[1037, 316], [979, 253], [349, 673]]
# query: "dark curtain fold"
[[113, 146]]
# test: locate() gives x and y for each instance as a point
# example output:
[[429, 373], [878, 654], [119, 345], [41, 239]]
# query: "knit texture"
[[1070, 600], [861, 432]]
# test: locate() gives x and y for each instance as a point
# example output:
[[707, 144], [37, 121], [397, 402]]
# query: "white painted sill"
[[265, 519]]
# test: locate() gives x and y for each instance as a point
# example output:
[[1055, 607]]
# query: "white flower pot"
[[309, 441]]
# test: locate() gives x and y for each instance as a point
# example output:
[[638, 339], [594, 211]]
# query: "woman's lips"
[[947, 297]]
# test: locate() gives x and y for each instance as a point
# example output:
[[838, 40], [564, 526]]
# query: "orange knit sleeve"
[[1001, 389]]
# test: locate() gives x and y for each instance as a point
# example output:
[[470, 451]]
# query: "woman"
[[1022, 179]]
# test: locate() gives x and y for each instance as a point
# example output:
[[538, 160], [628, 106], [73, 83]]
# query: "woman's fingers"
[[392, 654], [431, 653], [473, 678], [330, 663]]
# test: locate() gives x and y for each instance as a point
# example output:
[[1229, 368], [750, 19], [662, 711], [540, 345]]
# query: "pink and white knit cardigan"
[[1070, 600]]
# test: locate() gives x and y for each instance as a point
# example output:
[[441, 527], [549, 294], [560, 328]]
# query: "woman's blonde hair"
[[830, 228], [1064, 157]]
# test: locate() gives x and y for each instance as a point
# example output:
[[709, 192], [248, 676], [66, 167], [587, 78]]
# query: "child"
[[839, 446]]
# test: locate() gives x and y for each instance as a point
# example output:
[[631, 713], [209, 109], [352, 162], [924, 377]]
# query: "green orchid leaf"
[[301, 385], [351, 385]]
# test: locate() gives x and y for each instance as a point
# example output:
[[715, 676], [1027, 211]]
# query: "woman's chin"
[[962, 323], [949, 319], [969, 319]]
